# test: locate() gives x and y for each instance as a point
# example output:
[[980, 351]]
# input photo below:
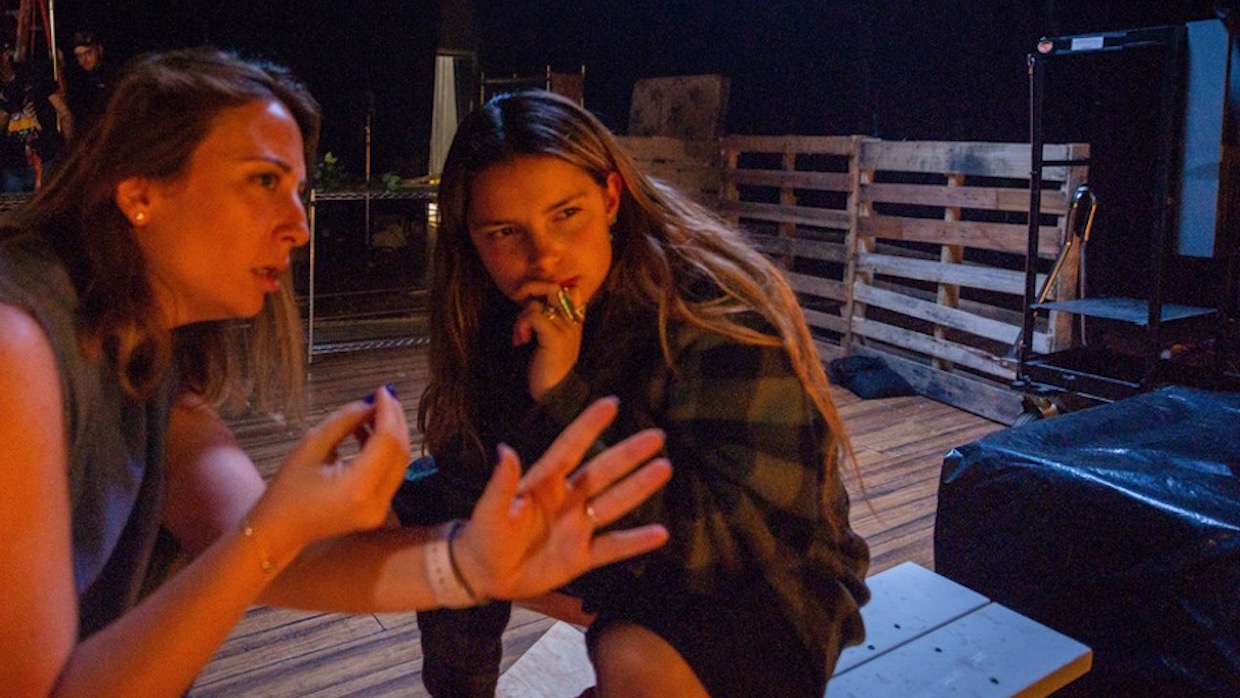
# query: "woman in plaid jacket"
[[561, 274]]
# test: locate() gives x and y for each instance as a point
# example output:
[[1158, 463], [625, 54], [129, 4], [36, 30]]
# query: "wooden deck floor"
[[900, 444]]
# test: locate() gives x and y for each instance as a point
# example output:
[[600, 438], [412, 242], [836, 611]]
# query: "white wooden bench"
[[929, 636], [925, 636]]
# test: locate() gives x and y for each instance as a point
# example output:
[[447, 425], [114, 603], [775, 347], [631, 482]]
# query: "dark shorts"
[[738, 646]]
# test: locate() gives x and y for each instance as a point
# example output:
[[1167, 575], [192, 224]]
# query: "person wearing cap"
[[87, 78]]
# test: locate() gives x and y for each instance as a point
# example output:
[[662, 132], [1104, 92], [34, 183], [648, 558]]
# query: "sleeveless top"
[[115, 444]]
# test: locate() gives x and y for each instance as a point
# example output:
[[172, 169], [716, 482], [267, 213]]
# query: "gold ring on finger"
[[592, 515]]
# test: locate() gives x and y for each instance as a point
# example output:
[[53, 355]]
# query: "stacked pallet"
[[912, 250]]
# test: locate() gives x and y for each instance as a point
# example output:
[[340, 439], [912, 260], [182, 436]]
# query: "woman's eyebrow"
[[566, 200]]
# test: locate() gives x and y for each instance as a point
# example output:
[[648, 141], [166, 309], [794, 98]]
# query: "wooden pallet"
[[913, 250]]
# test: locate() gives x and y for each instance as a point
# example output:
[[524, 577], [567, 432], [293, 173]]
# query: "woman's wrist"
[[449, 584], [274, 540], [264, 544]]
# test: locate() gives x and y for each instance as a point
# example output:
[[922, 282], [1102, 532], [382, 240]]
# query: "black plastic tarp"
[[1119, 526]]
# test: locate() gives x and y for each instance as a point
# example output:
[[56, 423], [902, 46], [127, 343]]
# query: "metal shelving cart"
[[1102, 373]]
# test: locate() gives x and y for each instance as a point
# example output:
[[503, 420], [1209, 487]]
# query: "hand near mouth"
[[552, 317]]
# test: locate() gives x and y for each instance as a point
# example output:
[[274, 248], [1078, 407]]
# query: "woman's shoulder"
[[19, 330], [26, 354], [38, 304], [33, 277], [30, 265]]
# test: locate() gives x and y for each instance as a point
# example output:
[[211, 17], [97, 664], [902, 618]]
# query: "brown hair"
[[158, 112], [662, 240]]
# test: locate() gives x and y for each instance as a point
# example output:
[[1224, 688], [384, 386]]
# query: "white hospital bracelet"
[[447, 586]]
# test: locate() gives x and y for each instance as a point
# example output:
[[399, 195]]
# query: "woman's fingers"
[[501, 489], [616, 462], [320, 442], [613, 546], [571, 445], [388, 441], [620, 498]]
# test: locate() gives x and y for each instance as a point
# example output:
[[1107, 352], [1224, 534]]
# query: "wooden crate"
[[913, 250]]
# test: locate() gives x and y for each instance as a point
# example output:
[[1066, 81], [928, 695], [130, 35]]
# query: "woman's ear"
[[133, 199], [611, 194]]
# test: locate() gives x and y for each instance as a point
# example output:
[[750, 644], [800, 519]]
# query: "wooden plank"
[[809, 145], [957, 318], [969, 393], [949, 294], [729, 194], [309, 632], [680, 171], [1006, 160], [815, 285], [992, 652], [824, 321], [806, 215], [822, 181], [788, 198], [809, 248], [926, 345], [855, 244], [970, 275], [1000, 237], [1012, 199], [369, 660], [1008, 316]]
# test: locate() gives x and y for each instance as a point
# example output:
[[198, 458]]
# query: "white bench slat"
[[906, 601], [554, 666], [992, 652]]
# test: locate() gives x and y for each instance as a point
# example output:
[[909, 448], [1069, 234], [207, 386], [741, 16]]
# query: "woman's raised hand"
[[317, 495], [553, 319], [530, 535]]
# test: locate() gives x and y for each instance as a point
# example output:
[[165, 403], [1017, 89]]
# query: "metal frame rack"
[[1083, 370]]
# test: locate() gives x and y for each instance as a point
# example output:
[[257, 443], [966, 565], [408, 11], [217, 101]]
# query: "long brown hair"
[[662, 242], [157, 113]]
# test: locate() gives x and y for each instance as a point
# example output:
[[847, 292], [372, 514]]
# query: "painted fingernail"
[[370, 399]]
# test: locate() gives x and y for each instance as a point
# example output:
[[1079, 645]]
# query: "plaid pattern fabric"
[[748, 500]]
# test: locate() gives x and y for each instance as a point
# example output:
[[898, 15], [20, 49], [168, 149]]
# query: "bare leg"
[[631, 661]]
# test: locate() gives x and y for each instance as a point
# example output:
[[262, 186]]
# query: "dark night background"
[[896, 69], [893, 69]]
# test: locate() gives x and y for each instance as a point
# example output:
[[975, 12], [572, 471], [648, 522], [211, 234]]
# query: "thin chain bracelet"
[[265, 561]]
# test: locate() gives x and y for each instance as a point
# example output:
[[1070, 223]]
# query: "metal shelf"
[[421, 193], [1131, 310]]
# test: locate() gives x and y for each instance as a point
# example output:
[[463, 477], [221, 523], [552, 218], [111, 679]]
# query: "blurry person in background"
[[87, 79], [37, 121]]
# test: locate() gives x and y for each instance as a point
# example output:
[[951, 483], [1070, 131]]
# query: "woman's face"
[[217, 237], [539, 219]]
